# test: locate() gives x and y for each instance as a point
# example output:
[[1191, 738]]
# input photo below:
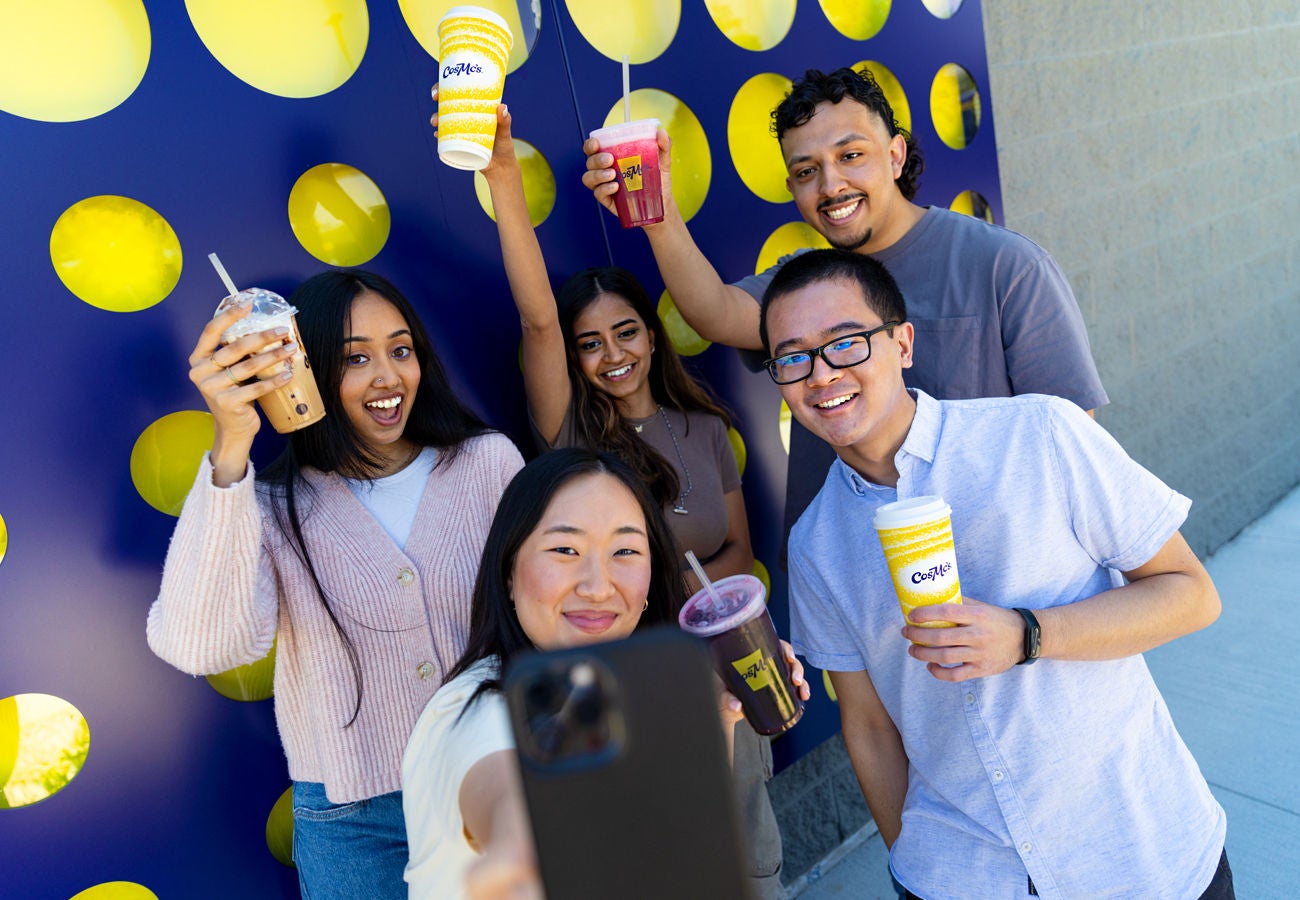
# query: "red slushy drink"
[[745, 650], [640, 199]]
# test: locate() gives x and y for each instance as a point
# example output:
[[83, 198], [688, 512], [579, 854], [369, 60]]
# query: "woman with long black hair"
[[355, 552]]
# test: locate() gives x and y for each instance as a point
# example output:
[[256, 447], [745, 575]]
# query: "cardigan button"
[[405, 576], [424, 670]]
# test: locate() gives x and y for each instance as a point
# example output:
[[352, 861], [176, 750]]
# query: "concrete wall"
[[1154, 149]]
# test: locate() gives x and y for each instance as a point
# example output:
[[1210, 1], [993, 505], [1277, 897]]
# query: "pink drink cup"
[[635, 147], [745, 650]]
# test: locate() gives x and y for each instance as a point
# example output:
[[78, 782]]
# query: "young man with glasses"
[[995, 312], [1025, 751]]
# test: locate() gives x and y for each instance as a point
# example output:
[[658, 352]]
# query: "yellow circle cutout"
[[166, 457], [830, 688], [339, 215], [760, 572], [754, 149], [290, 48], [893, 90], [955, 106], [753, 24], [115, 253], [684, 338], [68, 60], [539, 184], [255, 681], [856, 19], [942, 9], [43, 745], [641, 29], [738, 448], [783, 426], [4, 539], [692, 164], [972, 203], [422, 17], [785, 240], [116, 890], [279, 829]]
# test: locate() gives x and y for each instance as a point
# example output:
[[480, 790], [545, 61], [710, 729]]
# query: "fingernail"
[[284, 376], [292, 346], [505, 110], [282, 330]]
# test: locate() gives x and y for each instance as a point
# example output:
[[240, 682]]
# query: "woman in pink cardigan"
[[355, 551]]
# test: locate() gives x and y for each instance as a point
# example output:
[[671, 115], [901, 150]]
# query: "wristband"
[[1033, 637]]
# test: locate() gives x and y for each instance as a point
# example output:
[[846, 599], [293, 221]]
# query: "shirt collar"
[[922, 441]]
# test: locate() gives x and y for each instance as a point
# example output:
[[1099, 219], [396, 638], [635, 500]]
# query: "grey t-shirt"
[[994, 317]]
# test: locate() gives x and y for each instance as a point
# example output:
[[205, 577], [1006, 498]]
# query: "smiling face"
[[380, 377], [614, 349], [583, 574], [841, 165], [864, 411]]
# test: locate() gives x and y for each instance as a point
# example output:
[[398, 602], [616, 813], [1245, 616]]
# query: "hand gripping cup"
[[640, 199], [298, 403], [745, 650], [475, 44], [916, 535]]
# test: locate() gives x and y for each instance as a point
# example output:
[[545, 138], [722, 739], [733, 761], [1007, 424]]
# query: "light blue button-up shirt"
[[1069, 773]]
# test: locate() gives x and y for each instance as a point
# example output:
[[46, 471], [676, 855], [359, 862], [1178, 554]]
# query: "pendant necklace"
[[680, 508]]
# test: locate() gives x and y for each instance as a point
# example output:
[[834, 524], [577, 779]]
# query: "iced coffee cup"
[[474, 45], [916, 535], [298, 403], [640, 199], [745, 650]]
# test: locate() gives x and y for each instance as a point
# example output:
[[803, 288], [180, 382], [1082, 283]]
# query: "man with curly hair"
[[993, 312]]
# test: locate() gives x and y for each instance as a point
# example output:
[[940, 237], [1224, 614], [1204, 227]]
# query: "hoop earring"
[[646, 606]]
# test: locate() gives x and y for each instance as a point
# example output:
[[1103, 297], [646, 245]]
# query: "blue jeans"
[[345, 851]]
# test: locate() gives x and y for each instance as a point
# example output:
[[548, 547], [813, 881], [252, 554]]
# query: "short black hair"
[[818, 87], [879, 290]]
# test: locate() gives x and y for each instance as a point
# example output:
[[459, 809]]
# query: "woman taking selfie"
[[601, 372], [355, 552], [578, 554]]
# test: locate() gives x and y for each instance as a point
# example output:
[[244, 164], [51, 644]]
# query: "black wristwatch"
[[1033, 637]]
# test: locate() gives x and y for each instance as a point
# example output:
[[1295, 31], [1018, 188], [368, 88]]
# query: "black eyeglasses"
[[844, 352]]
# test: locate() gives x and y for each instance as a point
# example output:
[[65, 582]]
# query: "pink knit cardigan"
[[232, 584]]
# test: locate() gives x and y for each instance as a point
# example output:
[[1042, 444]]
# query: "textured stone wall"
[[1154, 149]]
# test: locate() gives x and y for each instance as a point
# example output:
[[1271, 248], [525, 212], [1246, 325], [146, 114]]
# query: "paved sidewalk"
[[1232, 690]]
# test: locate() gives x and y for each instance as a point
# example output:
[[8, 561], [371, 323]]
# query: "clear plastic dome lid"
[[269, 309]]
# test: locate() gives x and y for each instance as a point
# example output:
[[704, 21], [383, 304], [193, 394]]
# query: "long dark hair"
[[436, 418], [596, 418], [494, 629]]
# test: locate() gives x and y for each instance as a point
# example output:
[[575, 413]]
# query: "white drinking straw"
[[704, 578], [221, 270], [627, 84]]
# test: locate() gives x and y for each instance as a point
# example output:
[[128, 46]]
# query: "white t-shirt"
[[441, 751], [394, 499]]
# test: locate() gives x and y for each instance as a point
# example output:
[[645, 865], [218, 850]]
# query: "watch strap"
[[1033, 637]]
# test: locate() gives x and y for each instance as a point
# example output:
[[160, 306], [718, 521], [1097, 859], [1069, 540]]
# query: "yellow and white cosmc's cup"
[[475, 44], [916, 535]]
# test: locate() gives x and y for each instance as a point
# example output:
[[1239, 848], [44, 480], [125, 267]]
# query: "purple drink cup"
[[746, 651]]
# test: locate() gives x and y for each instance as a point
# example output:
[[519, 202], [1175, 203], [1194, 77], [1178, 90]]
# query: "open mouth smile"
[[619, 373], [840, 211], [835, 402], [387, 411]]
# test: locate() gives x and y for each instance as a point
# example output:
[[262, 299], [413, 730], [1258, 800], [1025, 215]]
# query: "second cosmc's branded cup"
[[635, 147], [916, 535], [298, 403], [475, 45], [745, 650]]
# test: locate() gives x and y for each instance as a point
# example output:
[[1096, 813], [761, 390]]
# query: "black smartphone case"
[[625, 771]]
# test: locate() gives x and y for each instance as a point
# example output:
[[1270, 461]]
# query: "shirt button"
[[405, 576], [998, 776], [1026, 847], [424, 670], [970, 698]]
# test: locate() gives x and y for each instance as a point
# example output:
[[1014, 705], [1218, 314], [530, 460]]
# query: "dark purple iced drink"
[[745, 651]]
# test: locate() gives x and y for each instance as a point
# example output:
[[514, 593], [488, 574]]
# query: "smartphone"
[[625, 770]]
